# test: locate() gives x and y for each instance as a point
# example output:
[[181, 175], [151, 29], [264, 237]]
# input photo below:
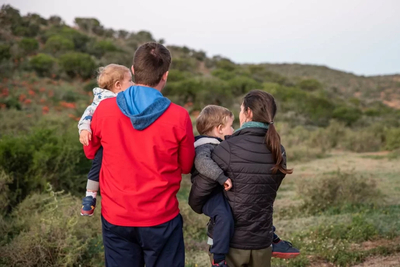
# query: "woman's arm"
[[222, 156]]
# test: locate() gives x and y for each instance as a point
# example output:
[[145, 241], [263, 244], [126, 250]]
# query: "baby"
[[111, 79]]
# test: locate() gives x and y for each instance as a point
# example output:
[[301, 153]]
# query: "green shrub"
[[90, 85], [5, 52], [337, 190], [310, 85], [392, 137], [5, 180], [47, 231], [79, 39], [101, 47], [43, 64], [177, 76], [58, 44], [48, 156], [11, 103], [226, 64], [223, 74], [348, 115], [29, 45], [361, 140], [78, 65], [184, 64], [240, 85]]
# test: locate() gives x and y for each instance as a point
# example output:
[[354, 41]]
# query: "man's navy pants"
[[156, 246]]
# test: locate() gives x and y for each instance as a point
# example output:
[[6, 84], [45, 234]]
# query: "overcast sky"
[[358, 36]]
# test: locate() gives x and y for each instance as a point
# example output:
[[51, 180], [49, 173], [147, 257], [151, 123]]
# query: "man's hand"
[[85, 137], [228, 184]]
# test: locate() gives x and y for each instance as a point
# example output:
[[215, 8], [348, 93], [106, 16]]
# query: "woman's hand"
[[228, 184], [85, 137]]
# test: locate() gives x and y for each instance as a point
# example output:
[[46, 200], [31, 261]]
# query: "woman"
[[255, 160]]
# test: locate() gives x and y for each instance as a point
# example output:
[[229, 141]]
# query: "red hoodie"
[[141, 170]]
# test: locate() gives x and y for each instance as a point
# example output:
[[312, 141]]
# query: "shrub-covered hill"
[[39, 54], [311, 94], [385, 87]]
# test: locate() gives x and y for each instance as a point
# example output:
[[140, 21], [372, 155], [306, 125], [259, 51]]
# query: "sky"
[[356, 36]]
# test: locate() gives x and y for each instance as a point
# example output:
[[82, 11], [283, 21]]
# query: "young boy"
[[213, 124], [111, 79]]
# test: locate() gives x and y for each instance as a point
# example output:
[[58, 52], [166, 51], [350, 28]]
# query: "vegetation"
[[325, 118]]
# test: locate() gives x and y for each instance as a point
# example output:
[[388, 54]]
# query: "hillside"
[[385, 88]]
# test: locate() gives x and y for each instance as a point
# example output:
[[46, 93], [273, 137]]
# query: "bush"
[[362, 140], [240, 85], [90, 85], [184, 64], [11, 103], [348, 115], [47, 231], [79, 39], [392, 137], [58, 44], [223, 74], [43, 64], [5, 180], [99, 48], [48, 156], [78, 65], [337, 190], [310, 85], [4, 52], [29, 45]]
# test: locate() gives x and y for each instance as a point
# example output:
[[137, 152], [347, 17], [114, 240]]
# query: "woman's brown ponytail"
[[264, 109], [273, 141]]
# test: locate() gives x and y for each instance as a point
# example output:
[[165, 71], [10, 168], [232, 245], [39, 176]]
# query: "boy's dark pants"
[[218, 209], [94, 172], [156, 246]]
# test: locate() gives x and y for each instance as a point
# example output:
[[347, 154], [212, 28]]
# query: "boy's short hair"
[[107, 76], [212, 116], [150, 62]]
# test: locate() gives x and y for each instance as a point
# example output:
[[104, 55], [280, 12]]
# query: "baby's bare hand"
[[85, 137], [228, 184]]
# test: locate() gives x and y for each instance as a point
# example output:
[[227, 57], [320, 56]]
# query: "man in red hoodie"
[[147, 144]]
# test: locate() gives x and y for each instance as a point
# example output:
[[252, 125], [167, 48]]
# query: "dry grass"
[[375, 165]]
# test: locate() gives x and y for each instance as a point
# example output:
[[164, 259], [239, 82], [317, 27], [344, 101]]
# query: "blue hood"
[[143, 105]]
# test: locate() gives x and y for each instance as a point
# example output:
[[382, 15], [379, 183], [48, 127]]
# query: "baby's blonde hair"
[[110, 74], [212, 116]]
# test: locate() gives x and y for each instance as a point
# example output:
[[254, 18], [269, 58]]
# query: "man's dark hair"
[[150, 62]]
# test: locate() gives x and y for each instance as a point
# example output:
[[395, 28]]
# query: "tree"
[[79, 39], [348, 115], [99, 48], [9, 16], [78, 65], [144, 36], [58, 44], [4, 52], [28, 45], [43, 64], [89, 25], [310, 85], [56, 20], [122, 34]]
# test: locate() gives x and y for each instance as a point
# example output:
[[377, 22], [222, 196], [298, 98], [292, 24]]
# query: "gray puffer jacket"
[[245, 159]]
